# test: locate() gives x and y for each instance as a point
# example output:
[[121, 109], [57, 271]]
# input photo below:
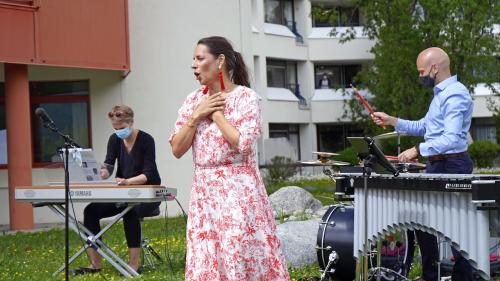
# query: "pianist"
[[445, 128], [134, 153]]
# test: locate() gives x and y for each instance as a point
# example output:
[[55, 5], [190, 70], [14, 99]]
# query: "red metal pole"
[[19, 154]]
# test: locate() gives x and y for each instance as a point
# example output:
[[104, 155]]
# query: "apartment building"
[[302, 70], [297, 67]]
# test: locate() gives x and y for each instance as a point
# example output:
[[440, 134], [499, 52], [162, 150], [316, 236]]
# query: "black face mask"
[[427, 81]]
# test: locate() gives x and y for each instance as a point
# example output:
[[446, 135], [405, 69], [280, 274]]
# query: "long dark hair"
[[235, 65]]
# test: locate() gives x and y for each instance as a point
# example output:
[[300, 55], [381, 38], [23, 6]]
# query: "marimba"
[[456, 208]]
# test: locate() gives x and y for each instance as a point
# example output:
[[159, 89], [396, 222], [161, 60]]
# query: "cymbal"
[[387, 135], [325, 154], [324, 163]]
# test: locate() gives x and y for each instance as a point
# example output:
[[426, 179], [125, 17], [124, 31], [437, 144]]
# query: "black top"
[[140, 160]]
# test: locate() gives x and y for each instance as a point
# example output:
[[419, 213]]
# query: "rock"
[[322, 211], [290, 199], [298, 241]]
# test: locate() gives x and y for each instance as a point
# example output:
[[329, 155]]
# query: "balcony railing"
[[295, 88], [292, 25]]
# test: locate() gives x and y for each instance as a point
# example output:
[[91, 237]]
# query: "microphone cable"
[[182, 209]]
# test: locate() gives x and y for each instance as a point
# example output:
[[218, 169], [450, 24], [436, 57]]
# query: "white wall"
[[481, 106], [163, 35]]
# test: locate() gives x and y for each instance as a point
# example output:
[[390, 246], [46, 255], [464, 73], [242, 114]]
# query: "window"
[[279, 12], [335, 76], [485, 132], [276, 74], [281, 74], [67, 103], [332, 138], [282, 12], [324, 16], [288, 131]]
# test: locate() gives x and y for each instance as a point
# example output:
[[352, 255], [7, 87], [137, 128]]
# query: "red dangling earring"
[[222, 88], [205, 90]]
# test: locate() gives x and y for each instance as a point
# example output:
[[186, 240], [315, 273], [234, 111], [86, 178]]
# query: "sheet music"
[[82, 166]]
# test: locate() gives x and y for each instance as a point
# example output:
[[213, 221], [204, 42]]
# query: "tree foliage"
[[403, 28]]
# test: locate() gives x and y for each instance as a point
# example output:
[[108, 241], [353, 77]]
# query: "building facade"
[[297, 67]]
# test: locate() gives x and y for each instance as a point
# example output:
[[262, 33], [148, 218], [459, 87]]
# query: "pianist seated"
[[133, 151]]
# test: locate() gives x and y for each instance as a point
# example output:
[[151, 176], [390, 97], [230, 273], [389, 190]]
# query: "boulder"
[[298, 241], [290, 199]]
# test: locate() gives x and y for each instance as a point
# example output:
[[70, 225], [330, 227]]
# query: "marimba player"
[[444, 128]]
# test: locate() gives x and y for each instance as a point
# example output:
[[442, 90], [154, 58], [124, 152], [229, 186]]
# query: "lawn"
[[35, 256]]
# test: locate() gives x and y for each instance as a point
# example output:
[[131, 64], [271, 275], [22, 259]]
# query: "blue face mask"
[[123, 133]]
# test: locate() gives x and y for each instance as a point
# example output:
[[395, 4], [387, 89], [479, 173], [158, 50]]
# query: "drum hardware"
[[332, 259], [330, 174], [329, 223], [386, 273], [339, 238]]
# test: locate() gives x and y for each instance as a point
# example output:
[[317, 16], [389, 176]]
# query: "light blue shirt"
[[447, 122]]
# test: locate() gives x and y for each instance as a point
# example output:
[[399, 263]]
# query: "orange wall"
[[76, 33]]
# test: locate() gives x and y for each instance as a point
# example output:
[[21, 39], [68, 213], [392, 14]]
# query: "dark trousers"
[[94, 212], [462, 270]]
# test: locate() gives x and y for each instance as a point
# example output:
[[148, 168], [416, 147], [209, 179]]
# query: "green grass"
[[35, 256]]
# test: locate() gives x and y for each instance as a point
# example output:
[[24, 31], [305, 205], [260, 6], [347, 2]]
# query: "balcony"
[[322, 41]]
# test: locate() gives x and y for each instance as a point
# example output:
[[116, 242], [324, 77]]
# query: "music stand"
[[372, 156], [373, 159]]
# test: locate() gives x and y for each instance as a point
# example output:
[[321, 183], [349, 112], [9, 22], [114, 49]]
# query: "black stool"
[[148, 253]]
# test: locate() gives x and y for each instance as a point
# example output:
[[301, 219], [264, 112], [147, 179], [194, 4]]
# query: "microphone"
[[44, 116]]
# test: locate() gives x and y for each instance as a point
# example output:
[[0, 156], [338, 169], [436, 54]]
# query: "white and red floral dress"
[[231, 232]]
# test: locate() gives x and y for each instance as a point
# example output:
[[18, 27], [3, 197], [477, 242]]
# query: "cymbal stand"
[[330, 174]]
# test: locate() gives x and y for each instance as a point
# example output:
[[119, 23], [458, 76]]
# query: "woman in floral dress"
[[231, 232]]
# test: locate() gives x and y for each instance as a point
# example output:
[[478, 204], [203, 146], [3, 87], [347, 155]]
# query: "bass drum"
[[336, 233]]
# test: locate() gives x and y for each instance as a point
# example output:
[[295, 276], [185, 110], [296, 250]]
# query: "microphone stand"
[[375, 156], [68, 143]]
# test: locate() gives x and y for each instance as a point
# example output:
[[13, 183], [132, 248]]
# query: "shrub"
[[483, 153], [347, 155], [280, 168]]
